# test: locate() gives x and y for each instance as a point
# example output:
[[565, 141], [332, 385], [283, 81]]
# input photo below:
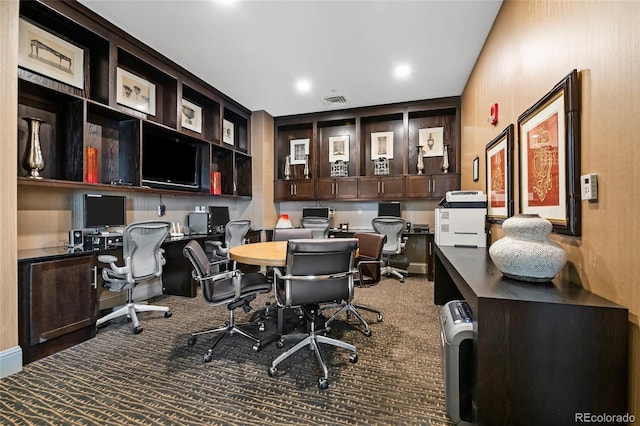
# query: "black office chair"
[[319, 226], [235, 232], [143, 260], [368, 264], [232, 288], [318, 271], [396, 262]]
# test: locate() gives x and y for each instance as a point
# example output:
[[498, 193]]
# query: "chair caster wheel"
[[137, 330], [272, 371], [279, 344], [323, 384], [257, 347], [261, 326], [207, 357], [327, 330], [367, 333], [353, 358], [129, 319], [379, 318], [168, 314], [192, 340]]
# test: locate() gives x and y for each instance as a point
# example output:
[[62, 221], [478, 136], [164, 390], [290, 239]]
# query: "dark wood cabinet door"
[[325, 189], [440, 184], [346, 188], [418, 186], [392, 187], [289, 190], [62, 296], [368, 187]]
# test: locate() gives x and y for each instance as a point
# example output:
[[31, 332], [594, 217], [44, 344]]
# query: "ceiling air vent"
[[334, 100]]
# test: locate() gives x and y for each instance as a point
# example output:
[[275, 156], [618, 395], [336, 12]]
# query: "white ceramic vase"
[[525, 252]]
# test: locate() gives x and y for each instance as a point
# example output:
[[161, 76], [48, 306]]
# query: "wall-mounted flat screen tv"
[[170, 164]]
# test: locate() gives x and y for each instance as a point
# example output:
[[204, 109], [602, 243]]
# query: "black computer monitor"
[[315, 212], [218, 216], [104, 211], [390, 208]]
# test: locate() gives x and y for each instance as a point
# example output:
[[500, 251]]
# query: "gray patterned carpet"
[[155, 378]]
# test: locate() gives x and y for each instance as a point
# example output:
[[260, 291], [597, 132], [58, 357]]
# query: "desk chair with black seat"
[[396, 262], [317, 271], [143, 260], [319, 226], [231, 288], [369, 266], [235, 232]]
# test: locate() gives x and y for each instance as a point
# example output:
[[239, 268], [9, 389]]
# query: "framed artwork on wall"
[[191, 116], [381, 145], [476, 169], [339, 148], [299, 149], [431, 140], [549, 157], [135, 92], [49, 55], [499, 176], [227, 132]]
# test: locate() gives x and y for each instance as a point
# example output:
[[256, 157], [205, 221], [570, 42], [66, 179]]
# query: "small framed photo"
[[499, 176], [299, 148], [381, 145], [191, 116], [432, 141], [135, 92], [476, 169], [339, 148], [51, 56], [227, 132]]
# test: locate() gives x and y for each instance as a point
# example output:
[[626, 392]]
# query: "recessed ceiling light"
[[303, 86], [402, 71]]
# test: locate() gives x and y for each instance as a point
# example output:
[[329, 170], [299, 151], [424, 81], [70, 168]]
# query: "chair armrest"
[[367, 262], [111, 260], [217, 247]]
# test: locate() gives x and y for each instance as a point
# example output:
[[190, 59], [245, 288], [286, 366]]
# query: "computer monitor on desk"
[[103, 212], [315, 212], [390, 208], [219, 217]]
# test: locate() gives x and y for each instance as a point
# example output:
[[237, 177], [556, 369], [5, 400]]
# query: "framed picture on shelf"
[[135, 92], [191, 116], [381, 145], [499, 176], [339, 148], [49, 55], [476, 169], [299, 149], [549, 151], [227, 132], [431, 140]]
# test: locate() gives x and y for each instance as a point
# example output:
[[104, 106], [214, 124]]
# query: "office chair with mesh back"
[[369, 265], [231, 288], [143, 260], [319, 226], [318, 271], [234, 235], [396, 262]]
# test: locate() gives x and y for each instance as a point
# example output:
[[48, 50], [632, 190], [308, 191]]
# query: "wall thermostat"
[[589, 186]]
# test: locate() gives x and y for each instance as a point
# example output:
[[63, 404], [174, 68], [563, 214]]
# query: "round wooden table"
[[270, 253]]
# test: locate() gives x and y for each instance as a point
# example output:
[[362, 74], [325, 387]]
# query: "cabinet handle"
[[94, 284], [429, 185], [290, 189], [295, 189], [336, 190], [434, 186], [382, 187], [333, 188]]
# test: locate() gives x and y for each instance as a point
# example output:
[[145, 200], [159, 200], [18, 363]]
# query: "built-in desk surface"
[[543, 352]]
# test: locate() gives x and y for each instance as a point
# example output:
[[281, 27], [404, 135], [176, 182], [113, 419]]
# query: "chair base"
[[229, 328], [130, 310], [312, 341], [389, 270], [351, 308]]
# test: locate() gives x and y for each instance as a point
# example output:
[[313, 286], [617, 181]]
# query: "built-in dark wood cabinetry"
[[403, 121], [91, 117]]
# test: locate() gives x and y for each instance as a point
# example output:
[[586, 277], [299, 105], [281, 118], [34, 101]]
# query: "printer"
[[460, 221]]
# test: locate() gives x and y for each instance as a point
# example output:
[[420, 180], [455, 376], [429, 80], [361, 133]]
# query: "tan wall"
[[8, 173], [532, 46]]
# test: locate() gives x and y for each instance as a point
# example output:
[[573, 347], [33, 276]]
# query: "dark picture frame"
[[499, 176], [549, 157]]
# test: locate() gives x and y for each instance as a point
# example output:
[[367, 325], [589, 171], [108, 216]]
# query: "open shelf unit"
[[121, 125], [401, 121]]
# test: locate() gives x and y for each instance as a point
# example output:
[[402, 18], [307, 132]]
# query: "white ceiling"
[[254, 51]]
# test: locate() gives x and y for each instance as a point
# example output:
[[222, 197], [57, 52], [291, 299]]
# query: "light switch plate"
[[589, 186]]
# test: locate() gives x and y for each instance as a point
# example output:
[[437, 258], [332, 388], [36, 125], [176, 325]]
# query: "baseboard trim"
[[10, 361]]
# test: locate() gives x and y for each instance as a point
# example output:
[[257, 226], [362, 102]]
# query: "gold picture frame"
[[499, 176]]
